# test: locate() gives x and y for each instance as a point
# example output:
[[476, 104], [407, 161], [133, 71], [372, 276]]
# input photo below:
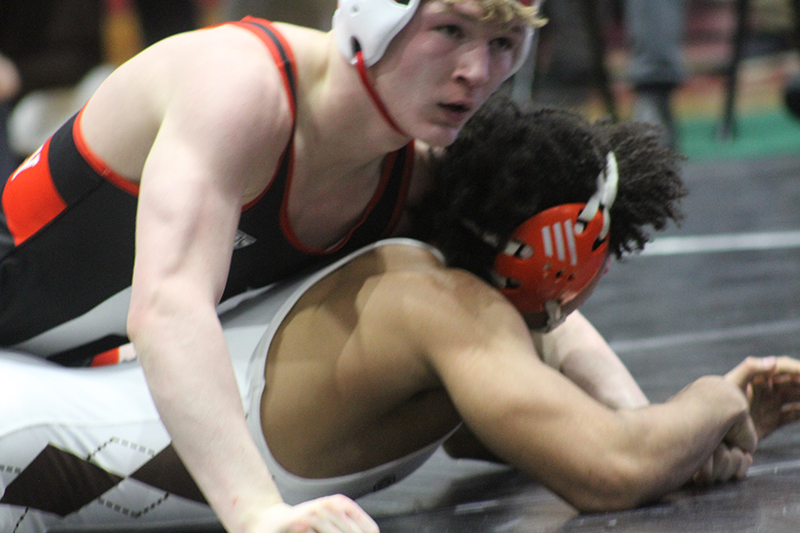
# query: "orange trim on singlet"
[[109, 357], [30, 198], [284, 60], [386, 173], [97, 164]]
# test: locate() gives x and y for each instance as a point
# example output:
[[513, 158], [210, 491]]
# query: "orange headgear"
[[554, 255]]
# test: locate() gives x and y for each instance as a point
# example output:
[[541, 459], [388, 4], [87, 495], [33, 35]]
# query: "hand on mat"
[[772, 386], [331, 514], [727, 463]]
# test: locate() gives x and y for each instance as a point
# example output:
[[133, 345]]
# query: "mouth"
[[456, 107], [456, 111]]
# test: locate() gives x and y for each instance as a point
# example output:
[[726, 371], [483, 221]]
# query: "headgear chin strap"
[[553, 256]]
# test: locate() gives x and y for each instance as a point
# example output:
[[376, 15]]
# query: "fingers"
[[790, 413], [743, 435], [781, 388], [333, 514], [730, 463], [755, 369], [704, 475], [724, 465], [788, 366], [744, 372]]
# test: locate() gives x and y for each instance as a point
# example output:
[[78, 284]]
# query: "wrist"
[[247, 515], [721, 393]]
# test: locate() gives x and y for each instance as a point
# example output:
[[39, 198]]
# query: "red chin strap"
[[361, 68]]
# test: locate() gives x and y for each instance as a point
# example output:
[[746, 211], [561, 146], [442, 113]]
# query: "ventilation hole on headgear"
[[571, 277], [512, 283], [404, 2], [559, 274], [597, 242]]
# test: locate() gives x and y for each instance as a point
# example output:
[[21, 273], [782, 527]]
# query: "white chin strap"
[[604, 196], [555, 316]]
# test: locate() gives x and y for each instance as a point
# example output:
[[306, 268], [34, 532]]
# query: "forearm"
[[188, 370], [599, 459], [670, 442], [605, 378], [578, 351]]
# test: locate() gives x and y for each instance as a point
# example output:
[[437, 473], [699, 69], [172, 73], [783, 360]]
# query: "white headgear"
[[370, 25]]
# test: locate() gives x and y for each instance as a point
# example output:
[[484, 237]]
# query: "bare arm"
[[537, 420], [582, 355], [197, 173], [188, 210]]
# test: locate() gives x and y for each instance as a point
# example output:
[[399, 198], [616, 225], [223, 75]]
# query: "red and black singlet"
[[72, 220]]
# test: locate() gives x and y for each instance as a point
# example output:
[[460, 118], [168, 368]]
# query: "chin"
[[437, 135]]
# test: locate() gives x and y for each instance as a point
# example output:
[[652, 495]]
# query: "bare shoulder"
[[217, 91], [436, 304], [227, 77]]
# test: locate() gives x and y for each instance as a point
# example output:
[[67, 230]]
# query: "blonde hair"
[[506, 11]]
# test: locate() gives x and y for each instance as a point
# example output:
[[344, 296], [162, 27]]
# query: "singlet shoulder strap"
[[281, 52]]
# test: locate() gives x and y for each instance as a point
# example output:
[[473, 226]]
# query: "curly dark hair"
[[510, 163]]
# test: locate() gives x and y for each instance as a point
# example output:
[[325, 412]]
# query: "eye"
[[451, 30], [503, 44]]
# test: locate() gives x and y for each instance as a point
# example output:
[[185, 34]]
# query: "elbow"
[[159, 307], [135, 323], [615, 488], [148, 313], [140, 315]]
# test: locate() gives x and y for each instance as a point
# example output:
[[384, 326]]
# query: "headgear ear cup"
[[369, 26], [546, 260], [553, 256]]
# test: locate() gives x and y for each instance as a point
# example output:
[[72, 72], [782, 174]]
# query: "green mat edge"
[[763, 134]]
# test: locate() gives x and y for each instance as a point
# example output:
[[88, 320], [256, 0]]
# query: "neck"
[[341, 116], [363, 75]]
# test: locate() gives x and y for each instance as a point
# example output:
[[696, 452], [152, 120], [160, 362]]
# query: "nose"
[[473, 67]]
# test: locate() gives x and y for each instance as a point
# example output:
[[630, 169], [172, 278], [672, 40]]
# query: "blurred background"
[[592, 56]]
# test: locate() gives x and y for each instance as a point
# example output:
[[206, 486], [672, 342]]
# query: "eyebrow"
[[515, 26]]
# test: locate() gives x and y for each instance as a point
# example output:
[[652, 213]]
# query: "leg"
[[656, 30], [80, 446]]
